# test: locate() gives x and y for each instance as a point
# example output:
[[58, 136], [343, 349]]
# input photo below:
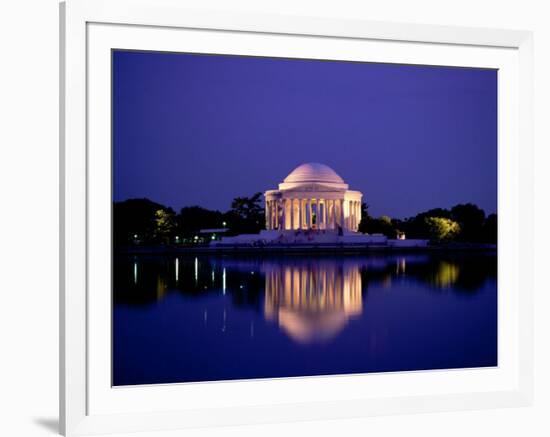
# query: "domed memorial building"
[[313, 207], [313, 196]]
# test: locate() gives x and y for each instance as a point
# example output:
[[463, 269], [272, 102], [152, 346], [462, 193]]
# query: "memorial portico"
[[313, 196]]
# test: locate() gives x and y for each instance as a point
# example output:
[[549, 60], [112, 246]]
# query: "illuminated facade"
[[313, 196]]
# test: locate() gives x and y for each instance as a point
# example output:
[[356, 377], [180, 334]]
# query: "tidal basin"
[[225, 317]]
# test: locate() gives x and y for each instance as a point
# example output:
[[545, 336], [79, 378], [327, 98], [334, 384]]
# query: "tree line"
[[461, 223], [142, 221]]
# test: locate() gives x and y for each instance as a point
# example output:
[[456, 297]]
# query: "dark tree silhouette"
[[490, 229], [135, 220], [365, 218], [191, 219], [470, 218], [246, 215]]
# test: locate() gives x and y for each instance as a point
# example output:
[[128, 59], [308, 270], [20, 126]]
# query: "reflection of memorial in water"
[[312, 301]]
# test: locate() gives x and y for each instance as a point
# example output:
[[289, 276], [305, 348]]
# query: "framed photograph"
[[273, 218]]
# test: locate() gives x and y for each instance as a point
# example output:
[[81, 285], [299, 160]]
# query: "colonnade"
[[320, 213]]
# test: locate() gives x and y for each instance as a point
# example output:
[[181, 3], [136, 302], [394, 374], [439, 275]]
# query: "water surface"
[[204, 318]]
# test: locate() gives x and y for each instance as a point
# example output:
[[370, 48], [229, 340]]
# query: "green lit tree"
[[165, 224], [441, 229]]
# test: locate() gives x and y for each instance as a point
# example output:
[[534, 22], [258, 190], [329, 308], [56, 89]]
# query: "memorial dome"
[[313, 172]]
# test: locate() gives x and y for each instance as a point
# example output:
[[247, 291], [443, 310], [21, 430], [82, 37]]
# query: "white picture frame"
[[88, 404]]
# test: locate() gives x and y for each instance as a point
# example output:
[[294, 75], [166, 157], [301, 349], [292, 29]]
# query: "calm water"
[[179, 319]]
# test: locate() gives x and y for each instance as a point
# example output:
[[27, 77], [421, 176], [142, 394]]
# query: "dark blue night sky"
[[203, 129]]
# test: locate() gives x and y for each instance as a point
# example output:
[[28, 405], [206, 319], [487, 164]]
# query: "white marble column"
[[283, 214], [291, 201], [332, 215], [343, 216], [288, 214], [324, 214], [354, 209], [299, 213], [295, 214], [310, 217]]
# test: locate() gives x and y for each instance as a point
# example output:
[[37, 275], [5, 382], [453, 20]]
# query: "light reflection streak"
[[196, 270]]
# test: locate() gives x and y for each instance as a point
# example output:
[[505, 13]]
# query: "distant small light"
[[213, 237], [242, 286], [196, 237], [251, 273], [224, 224], [135, 235], [177, 238]]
